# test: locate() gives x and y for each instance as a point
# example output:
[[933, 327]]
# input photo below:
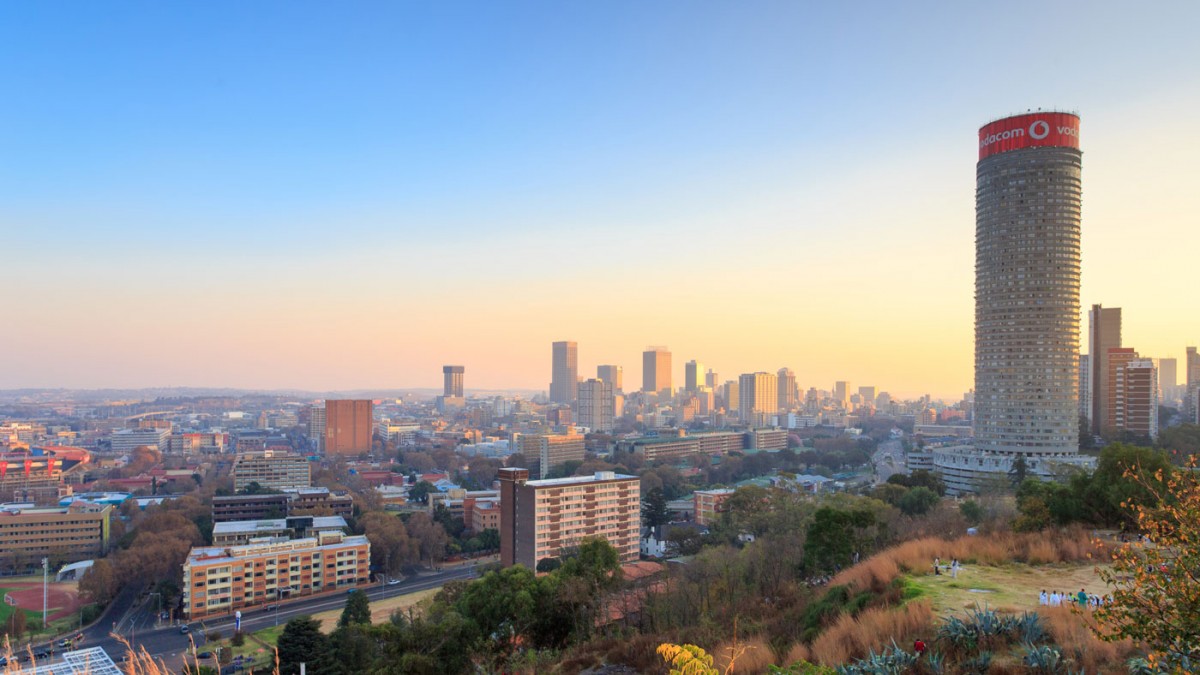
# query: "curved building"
[[1027, 227]]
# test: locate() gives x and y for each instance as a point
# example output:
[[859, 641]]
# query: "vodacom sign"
[[1034, 130]]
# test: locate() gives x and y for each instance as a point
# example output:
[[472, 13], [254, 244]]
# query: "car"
[[268, 608], [184, 629], [41, 654], [66, 643], [393, 582], [3, 661], [204, 655]]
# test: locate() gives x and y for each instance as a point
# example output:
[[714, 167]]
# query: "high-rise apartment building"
[[1104, 334], [1027, 265], [1117, 359], [1135, 402], [758, 397], [1191, 404], [564, 373], [348, 425], [452, 381], [787, 389], [597, 405], [542, 519], [612, 375], [1085, 392], [316, 426], [1167, 379], [656, 371], [693, 376]]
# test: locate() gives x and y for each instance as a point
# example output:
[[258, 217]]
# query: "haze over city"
[[293, 195]]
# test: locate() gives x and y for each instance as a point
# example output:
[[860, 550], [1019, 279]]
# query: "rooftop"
[[275, 524], [579, 480]]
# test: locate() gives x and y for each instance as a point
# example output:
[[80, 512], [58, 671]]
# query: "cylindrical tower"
[[1027, 201]]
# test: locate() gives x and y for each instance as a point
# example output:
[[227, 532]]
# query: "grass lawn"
[[6, 609], [1008, 588]]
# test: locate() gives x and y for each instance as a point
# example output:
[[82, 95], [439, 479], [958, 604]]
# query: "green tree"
[[972, 511], [357, 610], [654, 509], [418, 492], [834, 536], [1019, 471], [917, 501], [302, 642], [489, 539], [353, 648]]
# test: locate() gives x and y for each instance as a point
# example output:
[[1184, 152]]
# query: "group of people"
[[1081, 599], [953, 567]]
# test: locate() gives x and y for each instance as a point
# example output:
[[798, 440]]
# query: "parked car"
[[66, 643], [204, 655], [41, 654], [184, 629]]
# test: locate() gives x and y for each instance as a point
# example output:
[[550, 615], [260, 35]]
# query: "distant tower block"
[[453, 380]]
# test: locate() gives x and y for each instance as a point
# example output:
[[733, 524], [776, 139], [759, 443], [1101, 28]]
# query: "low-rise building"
[[250, 507], [708, 504], [221, 580], [271, 470], [235, 532], [66, 534], [766, 440]]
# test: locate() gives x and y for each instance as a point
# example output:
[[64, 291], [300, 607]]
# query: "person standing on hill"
[[1044, 598], [1081, 598]]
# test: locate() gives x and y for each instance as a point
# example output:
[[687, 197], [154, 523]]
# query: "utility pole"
[[45, 591]]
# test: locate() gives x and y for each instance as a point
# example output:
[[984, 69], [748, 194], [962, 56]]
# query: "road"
[[888, 460], [167, 643]]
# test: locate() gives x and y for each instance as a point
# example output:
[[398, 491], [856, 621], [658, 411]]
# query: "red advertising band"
[[1035, 130]]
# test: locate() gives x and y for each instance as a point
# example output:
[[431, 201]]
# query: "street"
[[168, 644], [888, 460]]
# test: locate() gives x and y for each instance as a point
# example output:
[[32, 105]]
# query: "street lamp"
[[45, 574]]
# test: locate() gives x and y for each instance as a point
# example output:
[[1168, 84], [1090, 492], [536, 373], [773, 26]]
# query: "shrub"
[[238, 639], [854, 637]]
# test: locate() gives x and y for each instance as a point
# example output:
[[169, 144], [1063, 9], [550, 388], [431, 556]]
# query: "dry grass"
[[916, 556], [751, 655], [851, 637], [1072, 631]]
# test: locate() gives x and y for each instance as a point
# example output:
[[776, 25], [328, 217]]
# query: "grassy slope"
[[1009, 588]]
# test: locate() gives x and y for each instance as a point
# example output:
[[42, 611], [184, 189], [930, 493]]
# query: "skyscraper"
[[711, 379], [564, 372], [1136, 399], [787, 389], [1027, 203], [841, 393], [1167, 378], [1104, 333], [693, 375], [596, 405], [656, 371], [758, 397], [1117, 359], [452, 377], [612, 375], [1027, 206], [1191, 407]]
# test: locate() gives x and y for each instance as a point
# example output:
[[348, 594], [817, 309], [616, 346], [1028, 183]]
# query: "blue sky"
[[624, 164]]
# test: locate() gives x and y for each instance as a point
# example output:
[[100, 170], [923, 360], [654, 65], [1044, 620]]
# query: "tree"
[[391, 547], [418, 492], [1155, 584], [15, 626], [99, 583], [302, 642], [834, 536], [917, 501], [972, 511], [1019, 471], [489, 539], [429, 536], [357, 610], [654, 509]]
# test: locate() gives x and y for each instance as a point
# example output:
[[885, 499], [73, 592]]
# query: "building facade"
[[348, 426], [707, 504], [542, 519], [452, 384], [1136, 400], [221, 580], [236, 532], [597, 405], [272, 470], [76, 532], [552, 451], [1104, 334], [564, 372], [612, 375], [656, 371], [693, 375], [758, 395]]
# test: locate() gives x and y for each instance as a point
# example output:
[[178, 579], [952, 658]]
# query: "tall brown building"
[[1117, 358], [1104, 334], [541, 518], [348, 426]]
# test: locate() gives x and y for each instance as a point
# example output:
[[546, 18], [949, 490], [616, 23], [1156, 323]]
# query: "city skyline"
[[245, 208]]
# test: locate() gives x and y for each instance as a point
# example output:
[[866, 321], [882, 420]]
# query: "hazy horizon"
[[315, 197]]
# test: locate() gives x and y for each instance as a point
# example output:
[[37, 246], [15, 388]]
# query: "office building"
[[1104, 334], [72, 533], [127, 440], [693, 376], [348, 426], [711, 381], [758, 398], [316, 426], [1136, 400], [656, 371], [841, 393], [867, 396], [547, 453], [1027, 265], [1167, 379], [597, 405], [732, 395], [311, 501], [564, 372], [708, 504], [452, 381], [222, 579], [541, 519], [271, 470], [684, 445], [786, 385], [612, 375]]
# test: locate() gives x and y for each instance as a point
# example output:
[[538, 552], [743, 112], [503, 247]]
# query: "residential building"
[[127, 440], [66, 534], [708, 504], [272, 470], [1136, 400], [1118, 357], [1085, 391], [221, 580], [249, 507], [541, 519], [597, 405], [1191, 406], [348, 426], [786, 387], [656, 371], [564, 373], [766, 440], [316, 426], [551, 451]]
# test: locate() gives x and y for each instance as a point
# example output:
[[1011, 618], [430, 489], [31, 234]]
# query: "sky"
[[327, 196]]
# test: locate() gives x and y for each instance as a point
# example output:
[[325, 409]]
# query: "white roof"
[[274, 525], [91, 661]]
